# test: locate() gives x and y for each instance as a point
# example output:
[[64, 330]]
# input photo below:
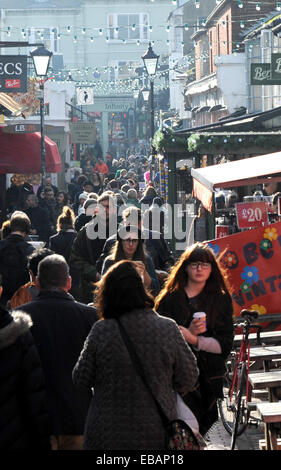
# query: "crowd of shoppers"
[[106, 260]]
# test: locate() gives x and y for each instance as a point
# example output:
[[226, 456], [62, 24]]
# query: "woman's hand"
[[197, 326], [190, 334], [146, 279]]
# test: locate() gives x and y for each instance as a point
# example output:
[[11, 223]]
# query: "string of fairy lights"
[[101, 77]]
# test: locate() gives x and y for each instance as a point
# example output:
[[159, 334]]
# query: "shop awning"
[[244, 172], [22, 154]]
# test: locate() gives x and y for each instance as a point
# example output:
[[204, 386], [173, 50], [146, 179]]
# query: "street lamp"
[[41, 60], [145, 94], [150, 60]]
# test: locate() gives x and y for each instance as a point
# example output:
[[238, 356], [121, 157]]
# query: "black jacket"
[[40, 221], [14, 251], [23, 413], [177, 306], [60, 327]]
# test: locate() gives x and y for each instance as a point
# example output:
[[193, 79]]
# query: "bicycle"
[[233, 408]]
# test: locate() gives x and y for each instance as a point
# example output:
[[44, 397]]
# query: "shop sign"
[[222, 231], [13, 74], [267, 73], [252, 262], [251, 214], [83, 133], [24, 128]]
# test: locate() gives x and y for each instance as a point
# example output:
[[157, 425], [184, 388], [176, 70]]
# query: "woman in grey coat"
[[123, 414]]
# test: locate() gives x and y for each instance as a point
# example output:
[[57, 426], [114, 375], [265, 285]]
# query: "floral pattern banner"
[[252, 260]]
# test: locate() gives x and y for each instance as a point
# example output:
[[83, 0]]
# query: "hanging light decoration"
[[197, 4], [240, 4], [258, 6], [278, 6]]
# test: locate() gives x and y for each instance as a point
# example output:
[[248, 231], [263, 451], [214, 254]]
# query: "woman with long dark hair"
[[123, 414], [130, 246], [197, 284]]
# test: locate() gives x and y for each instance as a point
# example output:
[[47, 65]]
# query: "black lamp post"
[[41, 60], [150, 60]]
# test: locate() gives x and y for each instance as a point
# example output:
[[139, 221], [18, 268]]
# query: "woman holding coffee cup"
[[196, 296]]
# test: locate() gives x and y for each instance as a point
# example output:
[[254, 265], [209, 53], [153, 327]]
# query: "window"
[[49, 36], [128, 27], [121, 70]]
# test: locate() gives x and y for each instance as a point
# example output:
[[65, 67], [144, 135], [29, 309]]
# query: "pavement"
[[219, 439]]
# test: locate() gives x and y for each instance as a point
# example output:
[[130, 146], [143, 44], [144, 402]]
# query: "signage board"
[[24, 128], [222, 231], [83, 133], [85, 95], [13, 74], [113, 104], [253, 265], [251, 214], [267, 73]]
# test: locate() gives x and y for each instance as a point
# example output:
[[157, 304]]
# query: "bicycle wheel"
[[228, 406]]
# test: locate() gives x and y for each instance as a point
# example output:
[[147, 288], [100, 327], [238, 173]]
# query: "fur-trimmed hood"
[[19, 325]]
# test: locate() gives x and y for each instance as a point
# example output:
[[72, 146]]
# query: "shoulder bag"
[[179, 436]]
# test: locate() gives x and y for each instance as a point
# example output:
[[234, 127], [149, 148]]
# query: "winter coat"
[[14, 251], [24, 421], [123, 414], [60, 327], [177, 306], [84, 255]]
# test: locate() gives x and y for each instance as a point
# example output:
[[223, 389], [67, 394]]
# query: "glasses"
[[130, 241], [201, 265]]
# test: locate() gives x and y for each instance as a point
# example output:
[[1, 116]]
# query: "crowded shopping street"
[[140, 223]]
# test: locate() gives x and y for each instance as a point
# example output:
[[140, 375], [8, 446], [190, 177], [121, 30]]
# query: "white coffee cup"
[[201, 316]]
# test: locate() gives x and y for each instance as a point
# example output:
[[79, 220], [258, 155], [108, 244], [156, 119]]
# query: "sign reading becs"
[[13, 74]]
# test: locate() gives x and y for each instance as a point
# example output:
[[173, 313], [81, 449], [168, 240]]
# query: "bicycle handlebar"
[[249, 316]]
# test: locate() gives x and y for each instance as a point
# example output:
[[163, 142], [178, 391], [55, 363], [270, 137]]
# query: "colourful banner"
[[252, 260]]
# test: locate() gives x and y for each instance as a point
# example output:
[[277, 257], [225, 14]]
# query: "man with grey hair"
[[60, 327]]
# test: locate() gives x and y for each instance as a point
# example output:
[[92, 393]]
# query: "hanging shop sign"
[[253, 265], [83, 133], [251, 214], [13, 73], [222, 231], [24, 128], [267, 73], [85, 95]]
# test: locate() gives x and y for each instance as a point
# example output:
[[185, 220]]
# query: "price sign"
[[222, 231], [251, 214]]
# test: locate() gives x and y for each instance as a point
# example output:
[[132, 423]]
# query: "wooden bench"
[[267, 337], [270, 413], [262, 444], [266, 380]]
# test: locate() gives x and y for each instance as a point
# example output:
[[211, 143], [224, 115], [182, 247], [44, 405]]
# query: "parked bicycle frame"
[[233, 408]]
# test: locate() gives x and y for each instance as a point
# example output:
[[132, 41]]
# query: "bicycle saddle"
[[252, 314]]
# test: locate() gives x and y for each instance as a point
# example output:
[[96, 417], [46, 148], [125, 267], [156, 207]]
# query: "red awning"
[[21, 153]]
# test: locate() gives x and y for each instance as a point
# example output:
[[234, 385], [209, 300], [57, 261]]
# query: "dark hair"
[[66, 219], [20, 223], [114, 184], [65, 197], [98, 176], [81, 179], [275, 197], [216, 284], [117, 250], [114, 295], [53, 272], [37, 256]]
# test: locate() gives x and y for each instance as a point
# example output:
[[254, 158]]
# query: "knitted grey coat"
[[122, 414]]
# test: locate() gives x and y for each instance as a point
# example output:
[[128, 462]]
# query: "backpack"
[[13, 266]]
